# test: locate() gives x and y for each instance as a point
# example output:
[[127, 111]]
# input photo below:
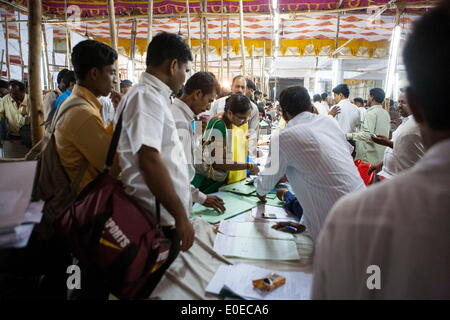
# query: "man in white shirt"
[[239, 85], [150, 153], [198, 94], [359, 102], [314, 155], [392, 241], [317, 101], [348, 116], [406, 147]]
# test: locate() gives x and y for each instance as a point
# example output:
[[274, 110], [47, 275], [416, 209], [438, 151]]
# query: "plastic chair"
[[363, 169]]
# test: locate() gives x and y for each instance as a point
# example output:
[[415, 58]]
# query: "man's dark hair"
[[205, 81], [317, 97], [61, 75], [4, 84], [342, 88], [426, 57], [295, 100], [258, 92], [16, 83], [167, 46], [125, 84], [251, 84], [324, 96], [377, 94], [360, 100], [238, 104], [68, 78], [90, 54]]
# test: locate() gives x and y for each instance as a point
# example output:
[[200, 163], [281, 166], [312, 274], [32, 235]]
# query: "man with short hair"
[[313, 154], [376, 122], [51, 96], [239, 85], [317, 101], [359, 102], [125, 85], [69, 82], [392, 241], [198, 94], [3, 88], [154, 166], [345, 112], [15, 114]]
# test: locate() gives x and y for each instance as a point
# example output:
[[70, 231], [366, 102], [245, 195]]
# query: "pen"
[[290, 228]]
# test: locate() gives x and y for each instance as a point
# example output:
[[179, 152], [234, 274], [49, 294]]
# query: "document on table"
[[258, 230], [241, 187], [234, 205], [239, 281], [254, 248], [281, 214]]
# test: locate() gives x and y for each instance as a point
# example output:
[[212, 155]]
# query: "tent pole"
[[133, 48], [221, 46], [113, 35], [20, 48], [150, 21], [47, 67], [228, 51], [188, 24], [252, 64], [34, 69], [202, 66], [206, 40], [7, 48], [1, 62], [241, 18]]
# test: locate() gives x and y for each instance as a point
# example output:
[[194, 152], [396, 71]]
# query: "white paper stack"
[[238, 279], [281, 214]]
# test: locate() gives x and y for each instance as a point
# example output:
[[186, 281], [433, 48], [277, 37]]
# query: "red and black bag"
[[108, 232]]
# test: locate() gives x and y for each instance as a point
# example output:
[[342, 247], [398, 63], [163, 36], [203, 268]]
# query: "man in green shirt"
[[376, 122]]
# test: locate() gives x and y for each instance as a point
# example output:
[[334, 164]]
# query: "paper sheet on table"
[[234, 205], [16, 184], [282, 215], [269, 201], [217, 282], [240, 187], [258, 249], [258, 230], [297, 286]]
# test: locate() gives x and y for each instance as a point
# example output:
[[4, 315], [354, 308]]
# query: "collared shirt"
[[218, 106], [400, 227], [49, 98], [62, 97], [108, 111], [320, 108], [192, 146], [408, 149], [362, 113], [80, 136], [349, 118], [377, 121], [16, 114], [315, 157], [147, 121]]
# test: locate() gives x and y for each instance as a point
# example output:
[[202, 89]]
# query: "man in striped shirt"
[[314, 155]]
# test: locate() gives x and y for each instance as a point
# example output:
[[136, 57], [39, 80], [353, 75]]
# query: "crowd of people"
[[176, 150]]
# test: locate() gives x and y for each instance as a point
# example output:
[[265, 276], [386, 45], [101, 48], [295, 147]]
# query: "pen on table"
[[290, 228]]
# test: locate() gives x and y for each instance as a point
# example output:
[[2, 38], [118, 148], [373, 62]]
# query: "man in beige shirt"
[[80, 134]]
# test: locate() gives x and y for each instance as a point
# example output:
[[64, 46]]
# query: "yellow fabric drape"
[[240, 150]]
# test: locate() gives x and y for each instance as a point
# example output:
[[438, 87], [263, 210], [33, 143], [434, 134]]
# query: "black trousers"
[[172, 235]]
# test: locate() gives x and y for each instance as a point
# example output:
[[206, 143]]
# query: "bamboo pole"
[[264, 68], [252, 64], [241, 18], [7, 48], [1, 62], [47, 67], [20, 49], [221, 46], [150, 22], [34, 69], [206, 40], [133, 47], [228, 51], [202, 66], [188, 23], [113, 35], [67, 37]]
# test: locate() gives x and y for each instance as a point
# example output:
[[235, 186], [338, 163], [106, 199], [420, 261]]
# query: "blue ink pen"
[[290, 228]]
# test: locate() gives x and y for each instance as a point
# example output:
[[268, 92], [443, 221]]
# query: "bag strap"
[[112, 151], [63, 108]]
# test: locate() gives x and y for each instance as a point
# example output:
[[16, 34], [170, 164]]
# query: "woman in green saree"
[[212, 173]]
